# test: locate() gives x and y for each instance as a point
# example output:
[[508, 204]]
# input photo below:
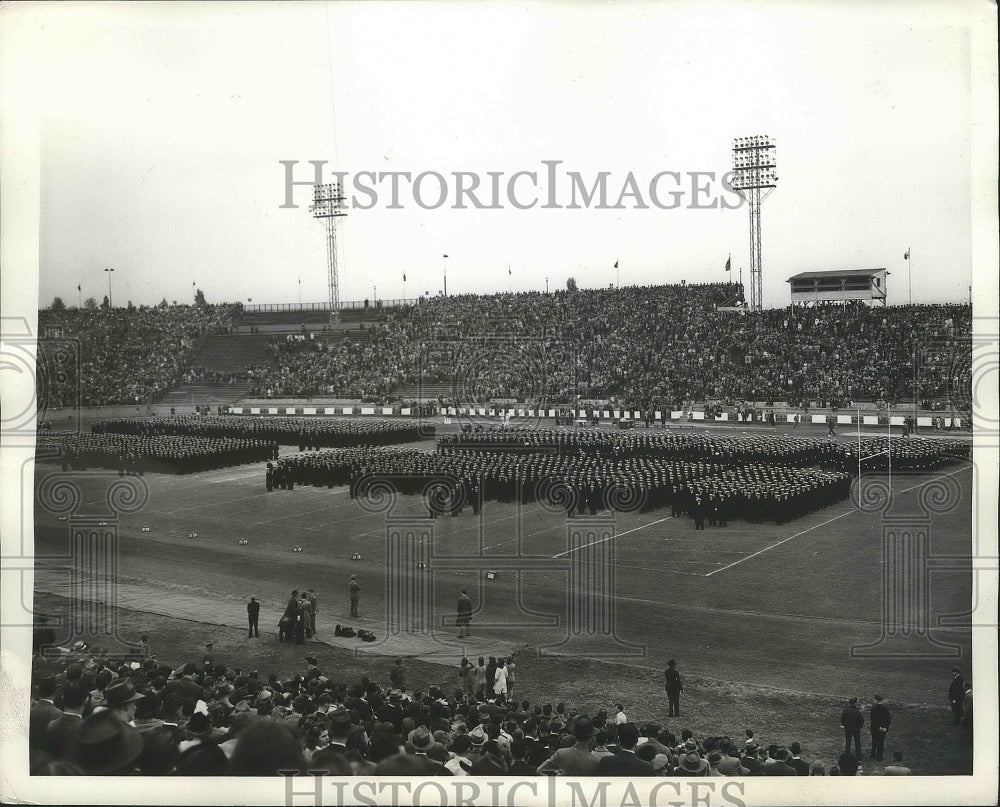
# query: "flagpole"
[[909, 275], [79, 295], [445, 261]]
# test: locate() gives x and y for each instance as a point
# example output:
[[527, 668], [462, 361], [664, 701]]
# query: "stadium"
[[560, 503], [650, 523]]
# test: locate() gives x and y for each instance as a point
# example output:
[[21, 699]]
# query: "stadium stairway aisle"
[[448, 650], [231, 353]]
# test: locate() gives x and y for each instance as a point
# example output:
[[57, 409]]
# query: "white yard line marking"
[[610, 537], [816, 526]]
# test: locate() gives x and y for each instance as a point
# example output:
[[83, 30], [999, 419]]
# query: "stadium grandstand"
[[642, 347]]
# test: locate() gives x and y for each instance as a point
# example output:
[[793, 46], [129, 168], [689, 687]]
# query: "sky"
[[161, 131]]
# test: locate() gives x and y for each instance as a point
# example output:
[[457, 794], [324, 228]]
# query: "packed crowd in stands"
[[310, 433], [164, 453], [651, 345], [93, 715], [126, 355]]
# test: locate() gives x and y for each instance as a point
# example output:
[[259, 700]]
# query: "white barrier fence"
[[586, 416]]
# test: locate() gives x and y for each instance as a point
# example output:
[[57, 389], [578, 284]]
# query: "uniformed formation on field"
[[584, 484], [909, 454], [758, 493], [311, 433], [165, 453], [690, 445]]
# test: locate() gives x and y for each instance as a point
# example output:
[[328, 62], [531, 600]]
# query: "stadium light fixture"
[[330, 206], [754, 179]]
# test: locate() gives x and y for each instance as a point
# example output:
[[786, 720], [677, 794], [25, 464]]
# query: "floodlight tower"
[[328, 205], [754, 179]]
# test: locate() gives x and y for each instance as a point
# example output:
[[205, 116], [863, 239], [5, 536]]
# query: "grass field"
[[761, 618]]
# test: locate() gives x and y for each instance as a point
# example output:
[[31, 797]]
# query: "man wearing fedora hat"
[[691, 764], [418, 743], [120, 698], [107, 746], [578, 759]]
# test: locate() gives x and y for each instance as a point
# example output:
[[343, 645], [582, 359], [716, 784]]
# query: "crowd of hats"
[[909, 454], [125, 355], [311, 433], [209, 719], [162, 453], [643, 345]]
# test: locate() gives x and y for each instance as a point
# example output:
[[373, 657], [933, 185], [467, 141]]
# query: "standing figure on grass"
[[879, 720], [673, 686], [464, 615], [500, 681], [851, 721], [467, 675], [354, 589]]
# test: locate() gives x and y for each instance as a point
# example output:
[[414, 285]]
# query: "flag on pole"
[[729, 263], [906, 257], [404, 277], [616, 264], [446, 256], [78, 287], [508, 270]]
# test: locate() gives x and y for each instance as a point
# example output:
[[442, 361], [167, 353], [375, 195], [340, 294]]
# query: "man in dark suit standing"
[[253, 615], [624, 762], [852, 721], [956, 695], [878, 724], [800, 765], [674, 686]]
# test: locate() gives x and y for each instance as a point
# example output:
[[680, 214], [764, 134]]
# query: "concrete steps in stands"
[[231, 353]]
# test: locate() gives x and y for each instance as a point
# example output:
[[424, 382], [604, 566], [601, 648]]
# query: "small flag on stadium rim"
[[508, 270], [404, 277], [446, 256], [616, 264], [78, 287], [729, 263], [906, 257]]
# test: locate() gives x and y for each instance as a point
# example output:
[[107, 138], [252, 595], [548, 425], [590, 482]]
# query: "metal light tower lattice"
[[754, 179], [329, 205]]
